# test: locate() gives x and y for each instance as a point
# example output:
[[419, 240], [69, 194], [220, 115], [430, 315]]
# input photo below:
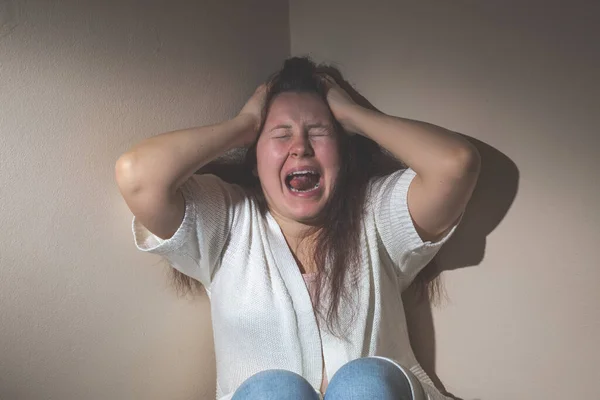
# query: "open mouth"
[[303, 181]]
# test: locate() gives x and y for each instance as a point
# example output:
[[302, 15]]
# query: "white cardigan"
[[261, 310]]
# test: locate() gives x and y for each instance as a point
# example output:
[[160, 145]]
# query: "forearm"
[[426, 148], [447, 165], [164, 162]]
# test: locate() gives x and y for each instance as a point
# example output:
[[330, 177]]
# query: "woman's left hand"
[[341, 104]]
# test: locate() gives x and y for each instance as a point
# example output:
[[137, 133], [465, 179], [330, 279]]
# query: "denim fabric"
[[275, 384], [367, 378]]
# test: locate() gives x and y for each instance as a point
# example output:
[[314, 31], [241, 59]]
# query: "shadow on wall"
[[491, 200]]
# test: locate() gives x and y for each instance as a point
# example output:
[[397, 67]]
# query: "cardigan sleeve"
[[211, 209], [398, 235]]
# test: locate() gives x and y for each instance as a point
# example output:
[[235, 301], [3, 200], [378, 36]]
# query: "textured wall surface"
[[83, 315], [522, 318]]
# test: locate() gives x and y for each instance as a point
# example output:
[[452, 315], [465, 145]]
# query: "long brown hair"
[[337, 243]]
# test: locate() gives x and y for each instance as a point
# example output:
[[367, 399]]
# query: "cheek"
[[329, 155], [269, 159]]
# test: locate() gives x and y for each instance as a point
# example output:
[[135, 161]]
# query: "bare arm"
[[150, 174], [446, 164]]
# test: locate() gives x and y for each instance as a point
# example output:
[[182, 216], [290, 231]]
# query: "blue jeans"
[[367, 378]]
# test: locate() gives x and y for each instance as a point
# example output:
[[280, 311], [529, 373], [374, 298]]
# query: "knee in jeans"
[[275, 384], [280, 375], [368, 364], [373, 376]]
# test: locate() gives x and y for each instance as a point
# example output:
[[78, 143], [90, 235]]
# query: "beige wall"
[[83, 315], [522, 320]]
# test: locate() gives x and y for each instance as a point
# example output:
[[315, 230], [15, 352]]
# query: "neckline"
[[284, 251], [310, 339]]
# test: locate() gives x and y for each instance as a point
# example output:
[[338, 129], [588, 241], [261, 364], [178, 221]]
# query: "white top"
[[261, 309]]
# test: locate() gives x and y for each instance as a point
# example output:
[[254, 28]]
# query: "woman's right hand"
[[253, 110]]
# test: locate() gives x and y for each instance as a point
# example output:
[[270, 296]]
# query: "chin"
[[306, 219], [302, 210], [307, 216]]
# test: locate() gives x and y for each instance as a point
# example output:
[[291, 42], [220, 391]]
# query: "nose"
[[301, 147]]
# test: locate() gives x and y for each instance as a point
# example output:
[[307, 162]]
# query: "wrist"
[[247, 120], [352, 118], [246, 128]]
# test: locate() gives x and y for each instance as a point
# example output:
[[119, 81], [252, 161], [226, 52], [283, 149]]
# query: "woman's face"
[[298, 158]]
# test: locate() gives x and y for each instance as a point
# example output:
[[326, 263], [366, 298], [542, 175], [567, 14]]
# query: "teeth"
[[302, 173], [304, 191]]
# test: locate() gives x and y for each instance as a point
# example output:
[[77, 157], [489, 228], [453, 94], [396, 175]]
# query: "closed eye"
[[319, 133]]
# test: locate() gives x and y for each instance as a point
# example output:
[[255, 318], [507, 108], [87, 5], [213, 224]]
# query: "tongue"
[[304, 182]]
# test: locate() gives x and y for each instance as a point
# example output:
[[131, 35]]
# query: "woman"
[[304, 257]]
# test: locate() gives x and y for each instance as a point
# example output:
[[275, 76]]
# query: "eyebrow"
[[281, 126], [310, 126], [318, 125]]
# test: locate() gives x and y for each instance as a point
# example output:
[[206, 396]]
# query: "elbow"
[[470, 159], [127, 174], [465, 161]]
